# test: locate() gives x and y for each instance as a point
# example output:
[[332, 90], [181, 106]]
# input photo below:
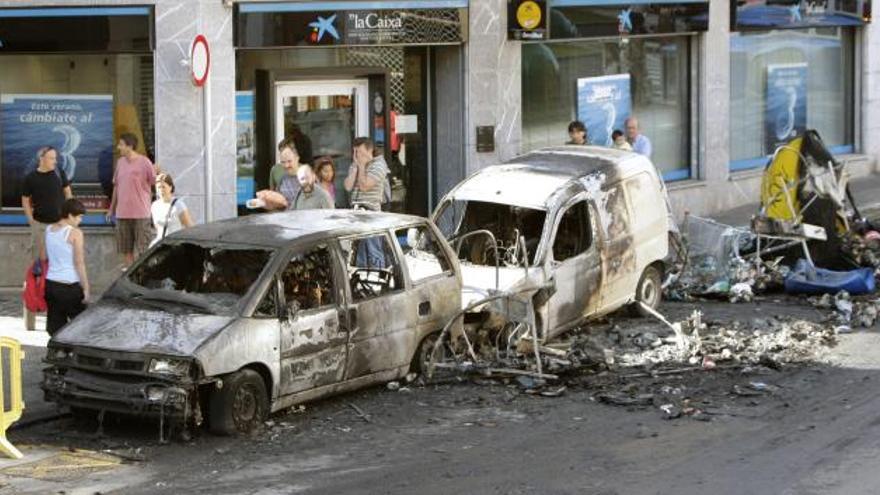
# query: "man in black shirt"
[[42, 194]]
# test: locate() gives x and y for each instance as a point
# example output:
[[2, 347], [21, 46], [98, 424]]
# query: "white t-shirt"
[[160, 213]]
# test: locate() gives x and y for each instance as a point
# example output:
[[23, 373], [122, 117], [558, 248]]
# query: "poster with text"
[[603, 104], [786, 111], [79, 127], [244, 130]]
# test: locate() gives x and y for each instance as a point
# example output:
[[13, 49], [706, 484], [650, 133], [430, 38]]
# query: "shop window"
[[784, 81], [574, 234], [308, 281], [422, 253], [373, 269], [79, 104], [656, 71]]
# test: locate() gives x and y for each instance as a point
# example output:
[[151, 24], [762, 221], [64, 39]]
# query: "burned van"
[[231, 320], [579, 230]]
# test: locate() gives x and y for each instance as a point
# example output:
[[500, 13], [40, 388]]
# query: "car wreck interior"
[[308, 280], [472, 222], [222, 272], [373, 269]]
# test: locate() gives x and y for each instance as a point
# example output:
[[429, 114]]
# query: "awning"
[[76, 29]]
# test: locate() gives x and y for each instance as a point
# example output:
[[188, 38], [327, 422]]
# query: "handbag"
[[168, 217], [34, 294]]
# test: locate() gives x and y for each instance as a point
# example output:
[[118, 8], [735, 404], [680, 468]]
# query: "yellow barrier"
[[16, 404]]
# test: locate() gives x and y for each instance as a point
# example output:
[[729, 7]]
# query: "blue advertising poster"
[[603, 104], [786, 111], [244, 125], [79, 127]]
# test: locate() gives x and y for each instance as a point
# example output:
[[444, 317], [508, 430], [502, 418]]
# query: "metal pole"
[[209, 169]]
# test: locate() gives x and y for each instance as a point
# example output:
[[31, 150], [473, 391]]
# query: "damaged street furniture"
[[11, 405], [560, 235], [229, 321]]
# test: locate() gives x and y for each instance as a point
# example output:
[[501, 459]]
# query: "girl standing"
[[325, 170], [170, 214], [67, 284]]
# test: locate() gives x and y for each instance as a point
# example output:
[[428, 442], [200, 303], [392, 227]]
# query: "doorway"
[[323, 118]]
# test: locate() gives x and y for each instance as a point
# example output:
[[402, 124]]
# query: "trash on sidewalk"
[[808, 279]]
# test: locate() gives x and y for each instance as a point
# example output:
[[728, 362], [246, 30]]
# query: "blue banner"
[[603, 105], [79, 127], [786, 109], [245, 146]]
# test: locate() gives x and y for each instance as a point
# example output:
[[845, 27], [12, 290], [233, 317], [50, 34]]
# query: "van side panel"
[[650, 219]]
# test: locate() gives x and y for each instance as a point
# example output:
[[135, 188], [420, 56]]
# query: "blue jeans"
[[371, 253]]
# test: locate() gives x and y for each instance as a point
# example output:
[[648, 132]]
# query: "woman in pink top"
[[325, 170]]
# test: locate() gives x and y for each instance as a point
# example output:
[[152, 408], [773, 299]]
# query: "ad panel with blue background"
[[786, 110], [244, 156], [603, 105]]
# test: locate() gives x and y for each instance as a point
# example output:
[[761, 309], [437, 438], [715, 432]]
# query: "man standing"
[[366, 183], [42, 194], [366, 176], [277, 172], [133, 182], [310, 197], [640, 143]]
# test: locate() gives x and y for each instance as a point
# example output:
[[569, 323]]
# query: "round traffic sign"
[[200, 60]]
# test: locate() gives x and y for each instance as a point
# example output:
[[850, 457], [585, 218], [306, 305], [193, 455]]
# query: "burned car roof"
[[280, 229], [535, 178]]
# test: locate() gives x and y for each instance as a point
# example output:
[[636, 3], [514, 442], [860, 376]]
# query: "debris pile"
[[848, 311]]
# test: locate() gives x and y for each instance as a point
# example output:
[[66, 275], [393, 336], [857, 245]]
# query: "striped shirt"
[[377, 169]]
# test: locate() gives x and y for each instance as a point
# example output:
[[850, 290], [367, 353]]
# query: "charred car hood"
[[478, 282], [119, 326]]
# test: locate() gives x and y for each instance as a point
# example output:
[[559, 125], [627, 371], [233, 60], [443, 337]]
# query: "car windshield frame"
[[167, 298]]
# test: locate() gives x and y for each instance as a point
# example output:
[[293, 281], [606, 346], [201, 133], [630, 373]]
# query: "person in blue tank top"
[[67, 284]]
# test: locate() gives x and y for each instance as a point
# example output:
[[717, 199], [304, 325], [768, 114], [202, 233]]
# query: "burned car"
[[578, 231], [231, 320]]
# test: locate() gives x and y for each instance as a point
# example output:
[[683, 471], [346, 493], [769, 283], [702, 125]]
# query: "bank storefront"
[[600, 62], [793, 66], [323, 73], [74, 78]]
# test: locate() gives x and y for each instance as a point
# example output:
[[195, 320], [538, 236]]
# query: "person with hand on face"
[[170, 214], [577, 133], [310, 195], [133, 182], [67, 284], [640, 143], [366, 176]]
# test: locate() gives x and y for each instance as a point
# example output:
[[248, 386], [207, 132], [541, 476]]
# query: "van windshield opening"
[[213, 279], [461, 220]]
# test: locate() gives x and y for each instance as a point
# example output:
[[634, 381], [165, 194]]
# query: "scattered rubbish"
[[741, 292], [392, 385], [808, 279]]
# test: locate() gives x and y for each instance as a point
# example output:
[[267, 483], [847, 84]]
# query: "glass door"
[[323, 117]]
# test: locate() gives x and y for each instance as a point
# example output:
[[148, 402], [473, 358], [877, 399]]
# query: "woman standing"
[[325, 171], [67, 285], [170, 214]]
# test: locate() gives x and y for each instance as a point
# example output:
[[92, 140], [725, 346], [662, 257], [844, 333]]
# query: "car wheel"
[[241, 405], [423, 354], [649, 291]]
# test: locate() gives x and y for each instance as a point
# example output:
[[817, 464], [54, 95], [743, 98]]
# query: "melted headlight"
[[176, 367]]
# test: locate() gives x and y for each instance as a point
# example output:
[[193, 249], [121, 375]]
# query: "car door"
[[576, 266], [429, 268], [382, 314], [313, 334], [618, 253]]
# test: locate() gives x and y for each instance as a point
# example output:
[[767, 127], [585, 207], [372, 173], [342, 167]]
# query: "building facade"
[[444, 87]]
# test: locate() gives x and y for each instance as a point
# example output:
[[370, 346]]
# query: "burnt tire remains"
[[648, 291], [241, 405]]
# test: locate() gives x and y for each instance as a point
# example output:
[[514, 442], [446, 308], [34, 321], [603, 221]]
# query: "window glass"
[[825, 57], [659, 75], [79, 104], [373, 269], [574, 234], [423, 255], [308, 280]]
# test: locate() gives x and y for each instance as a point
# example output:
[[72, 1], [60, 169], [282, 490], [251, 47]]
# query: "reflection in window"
[[372, 266], [574, 235], [423, 255], [308, 280], [828, 53], [659, 75]]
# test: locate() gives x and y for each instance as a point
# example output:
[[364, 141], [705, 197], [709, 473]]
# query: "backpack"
[[34, 294]]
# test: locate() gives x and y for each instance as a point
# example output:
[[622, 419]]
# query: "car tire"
[[240, 406], [648, 291], [423, 353]]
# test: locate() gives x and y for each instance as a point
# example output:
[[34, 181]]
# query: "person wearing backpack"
[[170, 214]]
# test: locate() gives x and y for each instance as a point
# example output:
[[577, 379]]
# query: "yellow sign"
[[528, 14]]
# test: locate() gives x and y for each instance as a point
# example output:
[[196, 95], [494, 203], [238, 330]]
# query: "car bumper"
[[129, 394]]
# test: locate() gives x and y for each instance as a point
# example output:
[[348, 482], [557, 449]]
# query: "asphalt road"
[[815, 432]]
